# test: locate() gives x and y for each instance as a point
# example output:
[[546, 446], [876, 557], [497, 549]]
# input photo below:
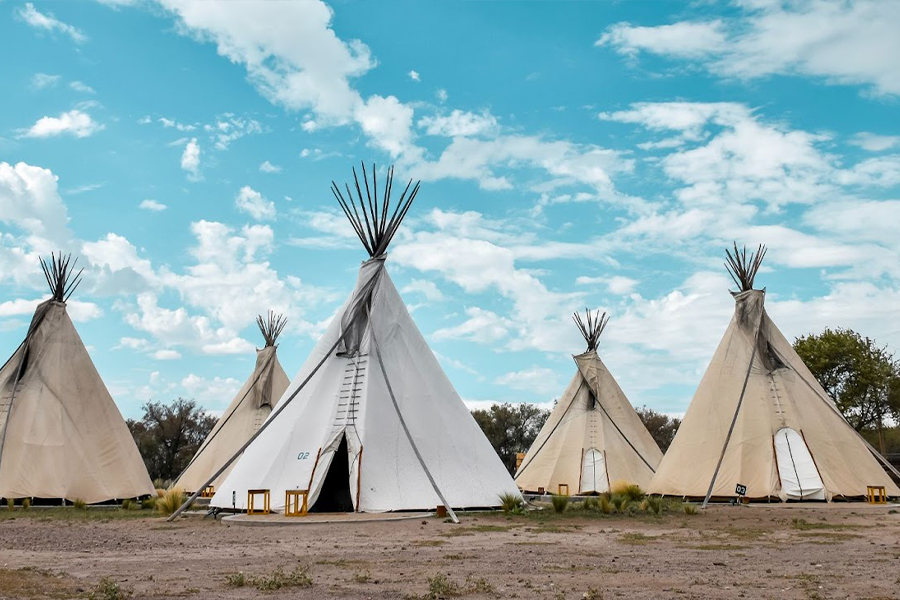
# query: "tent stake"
[[403, 422]]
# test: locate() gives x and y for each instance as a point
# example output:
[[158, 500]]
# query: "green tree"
[[862, 377], [661, 427], [511, 428], [168, 435]]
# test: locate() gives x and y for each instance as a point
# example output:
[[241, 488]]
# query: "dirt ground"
[[761, 551]]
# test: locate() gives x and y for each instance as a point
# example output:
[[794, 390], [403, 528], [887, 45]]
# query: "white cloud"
[[254, 204], [79, 311], [172, 123], [414, 75], [538, 380], [460, 123], [30, 201], [841, 42], [874, 142], [152, 205], [74, 122], [48, 22], [387, 122], [685, 39], [291, 54], [40, 81], [190, 159], [166, 355], [213, 393], [82, 87], [619, 285], [229, 128], [267, 167], [133, 343], [482, 326], [424, 287], [441, 95]]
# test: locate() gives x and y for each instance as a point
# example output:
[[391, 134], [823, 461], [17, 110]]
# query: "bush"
[[690, 509], [79, 504], [589, 503], [161, 484], [11, 503], [236, 579], [129, 504], [512, 503], [653, 505], [149, 503], [619, 502], [604, 505], [26, 503], [170, 501], [633, 492], [559, 503]]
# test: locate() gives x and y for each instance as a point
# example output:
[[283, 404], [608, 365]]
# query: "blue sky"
[[571, 154]]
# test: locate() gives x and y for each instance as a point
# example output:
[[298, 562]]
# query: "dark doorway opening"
[[335, 494]]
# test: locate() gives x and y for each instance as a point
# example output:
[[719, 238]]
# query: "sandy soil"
[[783, 552]]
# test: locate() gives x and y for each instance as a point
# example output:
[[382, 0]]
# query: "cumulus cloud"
[[254, 204], [190, 159], [414, 75], [267, 167], [40, 81], [152, 205], [74, 122]]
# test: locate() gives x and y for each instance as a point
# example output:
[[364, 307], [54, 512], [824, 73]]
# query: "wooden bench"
[[295, 503], [252, 509], [875, 494]]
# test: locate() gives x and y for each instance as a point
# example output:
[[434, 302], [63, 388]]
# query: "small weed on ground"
[[275, 580], [362, 577], [592, 594], [107, 589]]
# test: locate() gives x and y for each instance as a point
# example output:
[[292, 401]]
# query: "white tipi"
[[371, 423], [246, 413], [759, 419], [593, 438], [61, 434]]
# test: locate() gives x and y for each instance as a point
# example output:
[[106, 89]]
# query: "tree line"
[[862, 377]]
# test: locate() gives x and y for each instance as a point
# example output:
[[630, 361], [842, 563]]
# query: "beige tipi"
[[760, 420], [61, 435], [593, 438], [246, 413]]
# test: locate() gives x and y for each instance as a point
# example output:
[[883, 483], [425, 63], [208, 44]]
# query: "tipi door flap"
[[797, 470], [593, 472], [325, 458]]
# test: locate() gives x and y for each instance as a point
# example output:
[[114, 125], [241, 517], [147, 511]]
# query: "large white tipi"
[[61, 434], [593, 439], [759, 419], [371, 423], [244, 415]]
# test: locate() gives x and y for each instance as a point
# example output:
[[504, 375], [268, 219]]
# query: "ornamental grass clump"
[[559, 503]]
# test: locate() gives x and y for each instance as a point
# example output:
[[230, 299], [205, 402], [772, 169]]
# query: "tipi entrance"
[[797, 470], [335, 495], [594, 479]]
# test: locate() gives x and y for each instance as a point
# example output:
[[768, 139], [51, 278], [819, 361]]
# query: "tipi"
[[593, 438], [246, 413], [759, 419], [371, 423], [61, 434]]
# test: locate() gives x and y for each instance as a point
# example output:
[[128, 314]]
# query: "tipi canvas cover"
[[760, 419], [593, 438], [371, 423], [244, 415], [61, 434]]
